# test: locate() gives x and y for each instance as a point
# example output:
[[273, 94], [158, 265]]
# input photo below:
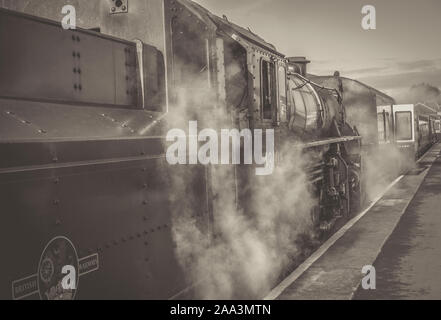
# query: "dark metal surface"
[[84, 163], [29, 120], [116, 210], [224, 25], [43, 61]]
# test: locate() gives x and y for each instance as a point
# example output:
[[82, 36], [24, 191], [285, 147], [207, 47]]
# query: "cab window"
[[268, 93], [189, 58], [282, 94]]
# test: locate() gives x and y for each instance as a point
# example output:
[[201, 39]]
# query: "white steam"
[[239, 252], [249, 250]]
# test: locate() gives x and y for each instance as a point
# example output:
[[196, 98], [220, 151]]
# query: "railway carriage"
[[409, 128]]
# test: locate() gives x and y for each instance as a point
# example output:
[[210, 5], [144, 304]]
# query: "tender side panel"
[[40, 60], [120, 211]]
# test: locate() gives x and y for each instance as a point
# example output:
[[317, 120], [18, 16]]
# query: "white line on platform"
[[277, 291]]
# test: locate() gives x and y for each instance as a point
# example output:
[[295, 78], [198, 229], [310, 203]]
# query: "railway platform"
[[397, 234]]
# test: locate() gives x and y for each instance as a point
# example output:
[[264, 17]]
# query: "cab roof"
[[231, 28]]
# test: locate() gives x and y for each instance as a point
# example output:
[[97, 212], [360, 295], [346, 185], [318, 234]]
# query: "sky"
[[405, 48]]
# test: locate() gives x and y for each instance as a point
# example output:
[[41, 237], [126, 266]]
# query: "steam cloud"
[[241, 253], [250, 249], [422, 92]]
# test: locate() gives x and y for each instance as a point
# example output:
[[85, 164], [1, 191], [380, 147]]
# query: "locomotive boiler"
[[83, 116]]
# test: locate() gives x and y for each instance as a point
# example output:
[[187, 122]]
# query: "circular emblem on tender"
[[59, 255], [46, 270]]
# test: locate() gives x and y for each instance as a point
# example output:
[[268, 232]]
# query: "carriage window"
[[403, 125], [424, 129], [268, 92]]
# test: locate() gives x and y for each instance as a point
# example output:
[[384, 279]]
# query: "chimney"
[[298, 64]]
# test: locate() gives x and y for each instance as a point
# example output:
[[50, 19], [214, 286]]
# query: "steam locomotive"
[[83, 116]]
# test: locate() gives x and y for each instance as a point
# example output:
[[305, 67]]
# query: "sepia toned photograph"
[[228, 153]]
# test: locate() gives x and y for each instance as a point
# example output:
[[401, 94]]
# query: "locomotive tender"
[[83, 116]]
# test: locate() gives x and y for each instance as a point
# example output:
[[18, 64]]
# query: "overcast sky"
[[405, 48]]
